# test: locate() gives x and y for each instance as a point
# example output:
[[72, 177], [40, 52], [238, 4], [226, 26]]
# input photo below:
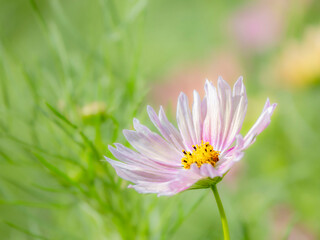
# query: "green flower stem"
[[223, 217]]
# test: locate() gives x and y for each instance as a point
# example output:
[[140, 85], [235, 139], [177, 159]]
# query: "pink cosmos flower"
[[197, 154]]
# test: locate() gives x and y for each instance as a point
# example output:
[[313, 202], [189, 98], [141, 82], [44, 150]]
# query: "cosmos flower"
[[197, 154]]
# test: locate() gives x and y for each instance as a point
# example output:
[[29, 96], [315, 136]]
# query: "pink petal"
[[236, 153], [168, 131], [204, 108], [174, 133], [239, 103], [182, 181], [262, 122], [226, 112], [197, 117], [147, 187], [212, 120], [207, 170], [185, 122], [152, 145], [134, 173], [129, 156], [227, 158]]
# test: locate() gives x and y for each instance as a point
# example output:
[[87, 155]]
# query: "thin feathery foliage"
[[53, 173]]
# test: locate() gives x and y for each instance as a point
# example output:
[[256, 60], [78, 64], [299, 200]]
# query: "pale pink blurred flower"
[[224, 63], [259, 26], [197, 155]]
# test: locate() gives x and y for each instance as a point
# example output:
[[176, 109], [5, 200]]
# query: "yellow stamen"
[[200, 155]]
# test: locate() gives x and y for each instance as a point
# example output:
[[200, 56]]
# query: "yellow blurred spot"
[[299, 64], [93, 113], [93, 109]]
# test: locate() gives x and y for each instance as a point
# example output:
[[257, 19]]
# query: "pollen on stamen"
[[203, 153]]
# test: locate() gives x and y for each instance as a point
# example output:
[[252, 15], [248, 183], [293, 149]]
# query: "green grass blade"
[[25, 231]]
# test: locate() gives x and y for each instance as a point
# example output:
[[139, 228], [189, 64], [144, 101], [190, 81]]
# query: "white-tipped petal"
[[212, 120], [207, 170], [185, 122], [134, 174], [129, 156], [197, 117], [262, 122], [168, 131], [152, 145], [225, 114]]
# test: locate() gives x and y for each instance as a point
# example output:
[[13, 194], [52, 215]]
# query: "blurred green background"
[[75, 73]]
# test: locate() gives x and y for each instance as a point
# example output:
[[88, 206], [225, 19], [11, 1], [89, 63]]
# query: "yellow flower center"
[[203, 153]]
